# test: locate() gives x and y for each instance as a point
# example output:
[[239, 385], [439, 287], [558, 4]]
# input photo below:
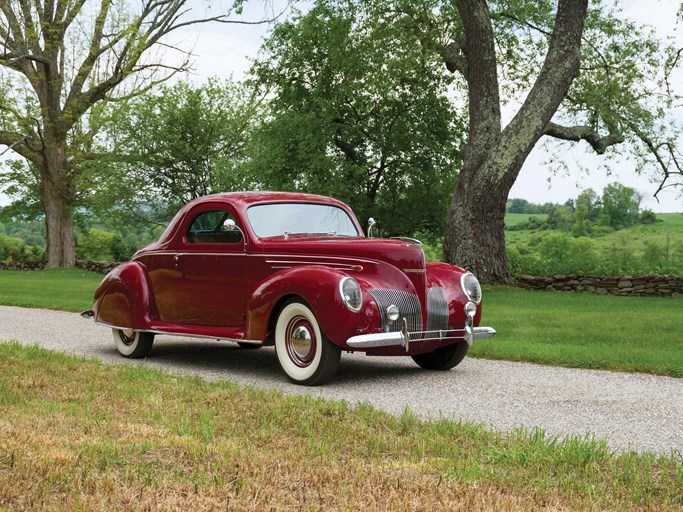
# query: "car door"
[[209, 285]]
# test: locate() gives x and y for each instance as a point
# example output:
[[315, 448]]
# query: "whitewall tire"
[[303, 351], [133, 344]]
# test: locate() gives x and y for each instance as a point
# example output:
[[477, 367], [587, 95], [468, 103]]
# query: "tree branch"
[[454, 57], [598, 142]]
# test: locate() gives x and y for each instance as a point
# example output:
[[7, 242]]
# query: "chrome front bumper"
[[405, 338]]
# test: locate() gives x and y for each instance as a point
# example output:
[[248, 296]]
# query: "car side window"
[[214, 227]]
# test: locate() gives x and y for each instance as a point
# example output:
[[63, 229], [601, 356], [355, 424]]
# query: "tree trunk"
[[57, 195], [492, 159], [474, 230]]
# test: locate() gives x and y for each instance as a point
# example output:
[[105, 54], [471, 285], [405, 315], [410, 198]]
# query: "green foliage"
[[647, 217], [620, 204], [641, 249], [94, 245], [10, 248], [119, 250], [15, 250], [589, 215], [173, 145], [360, 112]]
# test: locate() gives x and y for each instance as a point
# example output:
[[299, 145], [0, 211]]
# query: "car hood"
[[402, 254]]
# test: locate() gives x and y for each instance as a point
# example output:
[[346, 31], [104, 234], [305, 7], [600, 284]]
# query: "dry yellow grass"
[[77, 435]]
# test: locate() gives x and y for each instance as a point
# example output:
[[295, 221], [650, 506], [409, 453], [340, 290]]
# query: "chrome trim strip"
[[280, 257], [288, 264], [176, 253], [414, 270], [167, 333], [308, 257]]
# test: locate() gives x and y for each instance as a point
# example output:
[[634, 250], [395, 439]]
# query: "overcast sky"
[[226, 50]]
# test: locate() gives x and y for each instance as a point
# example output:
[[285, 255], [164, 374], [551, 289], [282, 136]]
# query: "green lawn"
[[640, 334], [81, 435], [64, 289]]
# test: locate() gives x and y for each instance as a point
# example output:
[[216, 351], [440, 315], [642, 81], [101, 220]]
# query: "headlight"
[[392, 313], [351, 294], [470, 285]]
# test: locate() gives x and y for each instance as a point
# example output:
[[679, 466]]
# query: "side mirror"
[[371, 223]]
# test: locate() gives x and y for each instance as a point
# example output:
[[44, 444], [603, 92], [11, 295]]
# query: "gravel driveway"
[[630, 411]]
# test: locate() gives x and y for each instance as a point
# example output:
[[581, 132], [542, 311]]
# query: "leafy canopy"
[[360, 111]]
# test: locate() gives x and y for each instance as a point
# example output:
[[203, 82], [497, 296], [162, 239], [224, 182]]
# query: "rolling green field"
[[81, 435], [512, 219], [668, 232]]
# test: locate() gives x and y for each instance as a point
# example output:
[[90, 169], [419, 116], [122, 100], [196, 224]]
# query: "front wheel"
[[133, 344], [304, 353], [443, 358]]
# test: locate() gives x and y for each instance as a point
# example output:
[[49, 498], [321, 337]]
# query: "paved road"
[[630, 411]]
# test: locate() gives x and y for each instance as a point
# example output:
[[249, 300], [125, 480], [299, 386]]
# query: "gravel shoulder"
[[630, 411]]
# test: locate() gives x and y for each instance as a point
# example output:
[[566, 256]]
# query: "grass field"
[[63, 289], [640, 334], [668, 232], [512, 219], [80, 435]]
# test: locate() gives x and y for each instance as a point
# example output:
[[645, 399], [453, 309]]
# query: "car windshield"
[[283, 219]]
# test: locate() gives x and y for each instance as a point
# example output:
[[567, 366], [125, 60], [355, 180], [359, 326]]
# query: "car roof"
[[246, 199], [241, 201]]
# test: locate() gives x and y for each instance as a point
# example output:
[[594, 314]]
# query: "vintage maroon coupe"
[[297, 272]]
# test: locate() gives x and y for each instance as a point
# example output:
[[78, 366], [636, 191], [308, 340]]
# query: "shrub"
[[647, 217], [11, 249], [94, 245]]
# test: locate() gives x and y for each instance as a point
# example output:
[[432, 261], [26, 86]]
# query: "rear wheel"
[[133, 344], [443, 358], [304, 353]]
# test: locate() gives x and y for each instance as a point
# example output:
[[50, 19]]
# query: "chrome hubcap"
[[125, 338], [301, 343]]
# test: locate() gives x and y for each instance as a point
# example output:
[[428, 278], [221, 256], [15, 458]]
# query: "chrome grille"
[[437, 309], [408, 306]]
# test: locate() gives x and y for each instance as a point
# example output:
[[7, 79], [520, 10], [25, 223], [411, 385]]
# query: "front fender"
[[124, 298], [448, 277], [319, 287]]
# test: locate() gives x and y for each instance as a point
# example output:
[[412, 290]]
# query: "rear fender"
[[319, 287], [124, 298]]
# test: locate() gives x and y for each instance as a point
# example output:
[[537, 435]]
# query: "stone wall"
[[101, 267], [652, 285]]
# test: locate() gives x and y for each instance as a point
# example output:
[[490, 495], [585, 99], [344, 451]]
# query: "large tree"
[[359, 112], [589, 75], [525, 70], [60, 61]]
